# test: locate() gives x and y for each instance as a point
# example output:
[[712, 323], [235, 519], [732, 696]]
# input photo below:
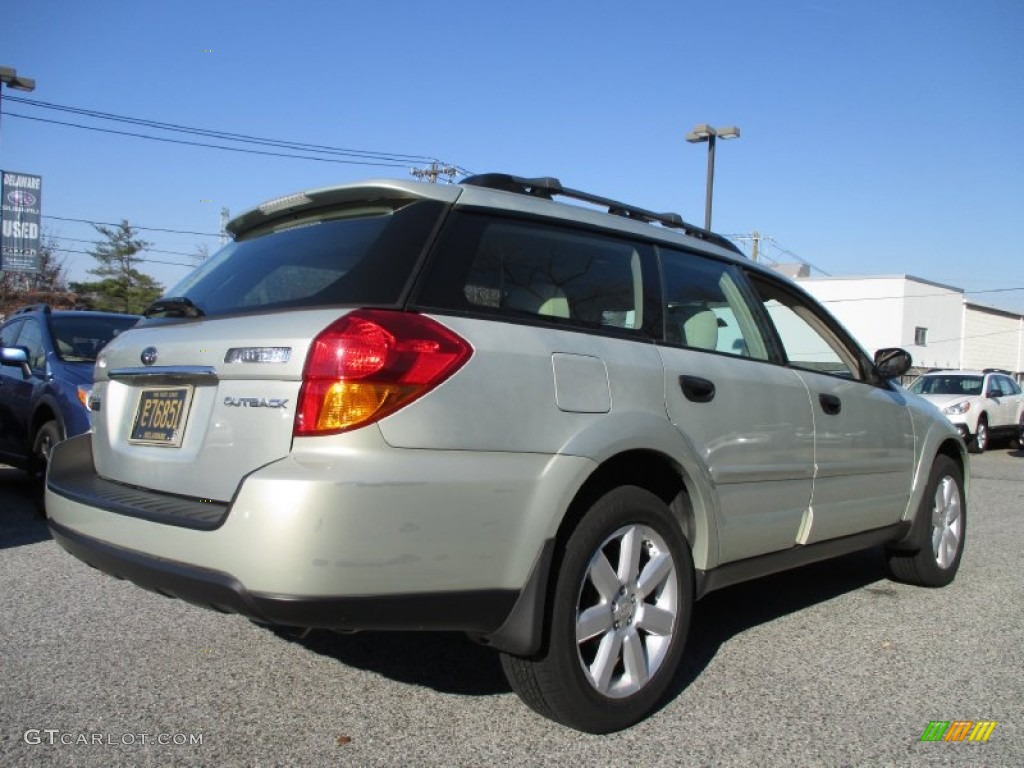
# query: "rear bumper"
[[481, 611], [375, 538]]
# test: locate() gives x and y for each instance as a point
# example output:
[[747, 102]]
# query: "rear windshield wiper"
[[173, 306]]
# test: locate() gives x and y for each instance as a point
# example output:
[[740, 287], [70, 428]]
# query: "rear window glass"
[[349, 256], [79, 338], [530, 270]]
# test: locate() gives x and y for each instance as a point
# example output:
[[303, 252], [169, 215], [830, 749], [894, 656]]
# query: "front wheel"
[[619, 617], [938, 531], [49, 435]]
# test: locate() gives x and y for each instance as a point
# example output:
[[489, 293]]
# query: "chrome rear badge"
[[255, 402], [148, 356], [258, 355]]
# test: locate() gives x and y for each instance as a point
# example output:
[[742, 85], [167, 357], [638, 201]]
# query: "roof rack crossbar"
[[547, 187]]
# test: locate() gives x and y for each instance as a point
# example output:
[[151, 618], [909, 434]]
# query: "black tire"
[[637, 621], [979, 442], [49, 435], [938, 533]]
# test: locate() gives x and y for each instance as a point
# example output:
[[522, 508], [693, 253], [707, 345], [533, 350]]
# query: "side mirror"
[[13, 356], [892, 362]]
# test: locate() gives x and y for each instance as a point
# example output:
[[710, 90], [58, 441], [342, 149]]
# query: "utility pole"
[[436, 169], [756, 236], [225, 216]]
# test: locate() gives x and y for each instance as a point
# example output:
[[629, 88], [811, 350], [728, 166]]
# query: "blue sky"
[[879, 137]]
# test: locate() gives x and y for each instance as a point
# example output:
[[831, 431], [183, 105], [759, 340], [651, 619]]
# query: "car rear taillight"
[[369, 364]]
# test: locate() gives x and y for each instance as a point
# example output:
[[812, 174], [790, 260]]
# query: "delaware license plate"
[[160, 416]]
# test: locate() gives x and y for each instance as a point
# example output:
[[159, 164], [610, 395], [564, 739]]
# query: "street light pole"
[[12, 79], [701, 133]]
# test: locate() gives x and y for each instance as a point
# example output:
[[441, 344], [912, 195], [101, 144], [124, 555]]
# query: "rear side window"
[[532, 270], [362, 255], [706, 309]]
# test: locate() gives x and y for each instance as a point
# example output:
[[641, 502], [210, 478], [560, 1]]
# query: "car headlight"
[[957, 408]]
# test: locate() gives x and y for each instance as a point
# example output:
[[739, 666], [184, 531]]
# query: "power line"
[[147, 261], [238, 137], [148, 250], [202, 144], [133, 226]]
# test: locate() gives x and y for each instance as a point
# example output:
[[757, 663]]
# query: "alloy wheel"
[[947, 522], [626, 611]]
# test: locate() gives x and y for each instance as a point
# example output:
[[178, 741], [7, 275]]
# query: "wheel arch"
[[525, 630], [653, 471], [936, 444]]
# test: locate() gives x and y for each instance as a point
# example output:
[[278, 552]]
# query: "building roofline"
[[994, 310], [912, 278]]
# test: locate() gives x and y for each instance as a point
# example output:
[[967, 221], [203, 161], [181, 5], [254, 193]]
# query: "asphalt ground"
[[828, 665]]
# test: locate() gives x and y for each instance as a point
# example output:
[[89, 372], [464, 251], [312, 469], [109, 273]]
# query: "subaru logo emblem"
[[148, 355], [21, 198]]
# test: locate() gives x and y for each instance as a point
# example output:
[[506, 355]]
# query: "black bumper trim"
[[72, 475], [479, 611]]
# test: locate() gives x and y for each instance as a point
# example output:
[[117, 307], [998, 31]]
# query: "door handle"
[[696, 389], [830, 404]]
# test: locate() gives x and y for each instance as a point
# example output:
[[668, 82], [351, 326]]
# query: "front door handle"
[[696, 389], [830, 404]]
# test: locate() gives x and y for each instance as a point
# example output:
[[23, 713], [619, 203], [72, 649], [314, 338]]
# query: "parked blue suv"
[[47, 359]]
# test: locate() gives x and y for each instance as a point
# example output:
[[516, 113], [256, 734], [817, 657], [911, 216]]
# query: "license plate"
[[160, 416]]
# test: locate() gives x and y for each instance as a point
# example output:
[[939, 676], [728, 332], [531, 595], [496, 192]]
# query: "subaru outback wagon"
[[409, 406]]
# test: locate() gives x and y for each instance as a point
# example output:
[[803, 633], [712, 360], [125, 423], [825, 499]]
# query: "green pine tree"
[[120, 287]]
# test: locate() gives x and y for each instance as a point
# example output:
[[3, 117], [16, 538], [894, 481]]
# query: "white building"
[[934, 322]]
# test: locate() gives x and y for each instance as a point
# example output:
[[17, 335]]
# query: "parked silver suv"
[[395, 405]]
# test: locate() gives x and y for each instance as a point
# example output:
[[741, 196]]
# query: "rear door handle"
[[696, 389], [830, 404]]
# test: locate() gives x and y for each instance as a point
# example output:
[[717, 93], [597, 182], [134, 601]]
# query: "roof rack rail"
[[547, 187], [997, 370], [32, 308]]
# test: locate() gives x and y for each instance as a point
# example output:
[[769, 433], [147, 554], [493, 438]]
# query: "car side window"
[[1006, 386], [807, 336], [1014, 387], [9, 333], [705, 307], [31, 337], [528, 269]]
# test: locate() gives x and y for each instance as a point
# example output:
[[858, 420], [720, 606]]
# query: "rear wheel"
[[619, 617], [49, 435], [980, 441], [938, 531]]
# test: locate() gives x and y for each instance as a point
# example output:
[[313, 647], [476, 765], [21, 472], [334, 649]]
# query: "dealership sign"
[[19, 246]]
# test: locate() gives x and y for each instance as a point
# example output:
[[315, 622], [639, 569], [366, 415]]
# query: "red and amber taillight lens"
[[369, 364]]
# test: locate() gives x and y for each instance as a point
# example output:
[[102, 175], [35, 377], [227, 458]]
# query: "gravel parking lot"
[[828, 665]]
